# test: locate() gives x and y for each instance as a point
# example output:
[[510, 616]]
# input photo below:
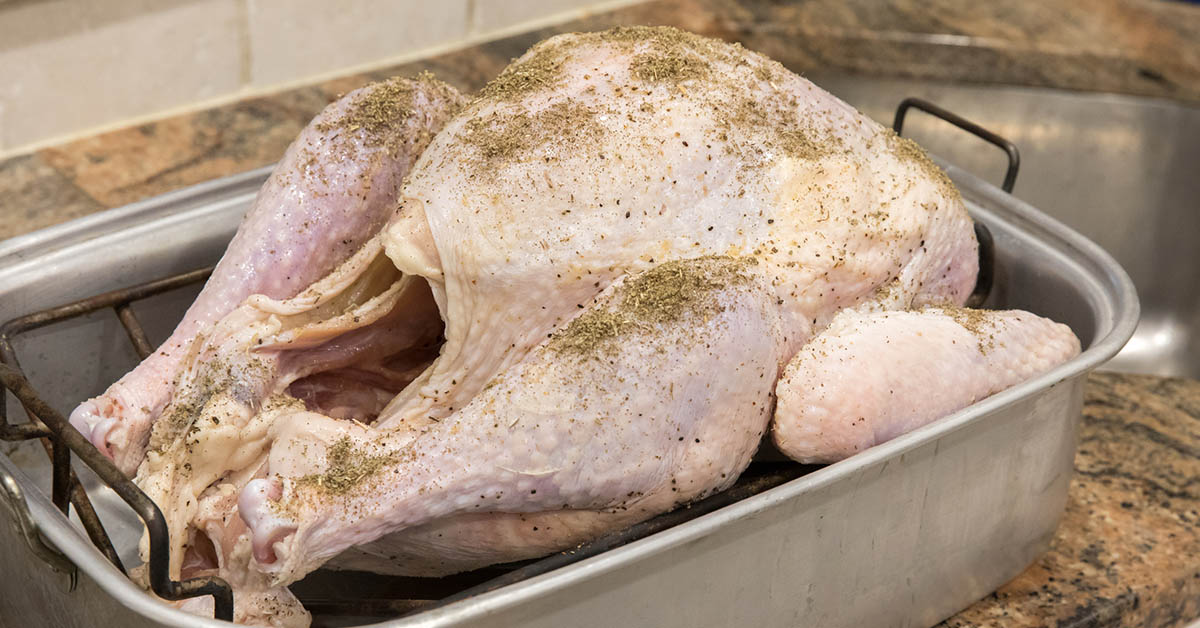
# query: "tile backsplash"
[[291, 39], [72, 67]]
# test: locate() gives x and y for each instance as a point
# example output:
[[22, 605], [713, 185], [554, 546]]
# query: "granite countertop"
[[1128, 550]]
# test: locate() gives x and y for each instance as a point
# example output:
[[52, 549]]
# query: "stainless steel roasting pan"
[[903, 534]]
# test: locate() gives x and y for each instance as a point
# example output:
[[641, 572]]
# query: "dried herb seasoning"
[[664, 294], [347, 467]]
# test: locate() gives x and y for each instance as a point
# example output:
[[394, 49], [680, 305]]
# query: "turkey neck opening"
[[353, 374], [361, 390]]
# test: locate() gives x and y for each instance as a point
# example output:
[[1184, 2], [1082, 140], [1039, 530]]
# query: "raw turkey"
[[636, 253], [334, 188], [189, 413]]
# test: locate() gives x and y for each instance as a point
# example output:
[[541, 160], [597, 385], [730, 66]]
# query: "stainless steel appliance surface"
[[903, 534], [1121, 170]]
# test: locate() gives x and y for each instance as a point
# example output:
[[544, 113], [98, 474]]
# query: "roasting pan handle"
[[24, 525], [156, 524], [1010, 149], [987, 246]]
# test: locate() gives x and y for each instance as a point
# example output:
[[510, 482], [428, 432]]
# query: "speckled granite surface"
[[1128, 550]]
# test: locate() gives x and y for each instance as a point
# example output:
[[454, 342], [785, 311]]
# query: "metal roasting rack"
[[366, 594]]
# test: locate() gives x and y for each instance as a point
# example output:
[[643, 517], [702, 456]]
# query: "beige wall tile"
[[70, 67], [25, 22], [85, 68], [494, 15], [293, 39]]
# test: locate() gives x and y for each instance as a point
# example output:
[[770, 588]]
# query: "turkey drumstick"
[[334, 188]]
